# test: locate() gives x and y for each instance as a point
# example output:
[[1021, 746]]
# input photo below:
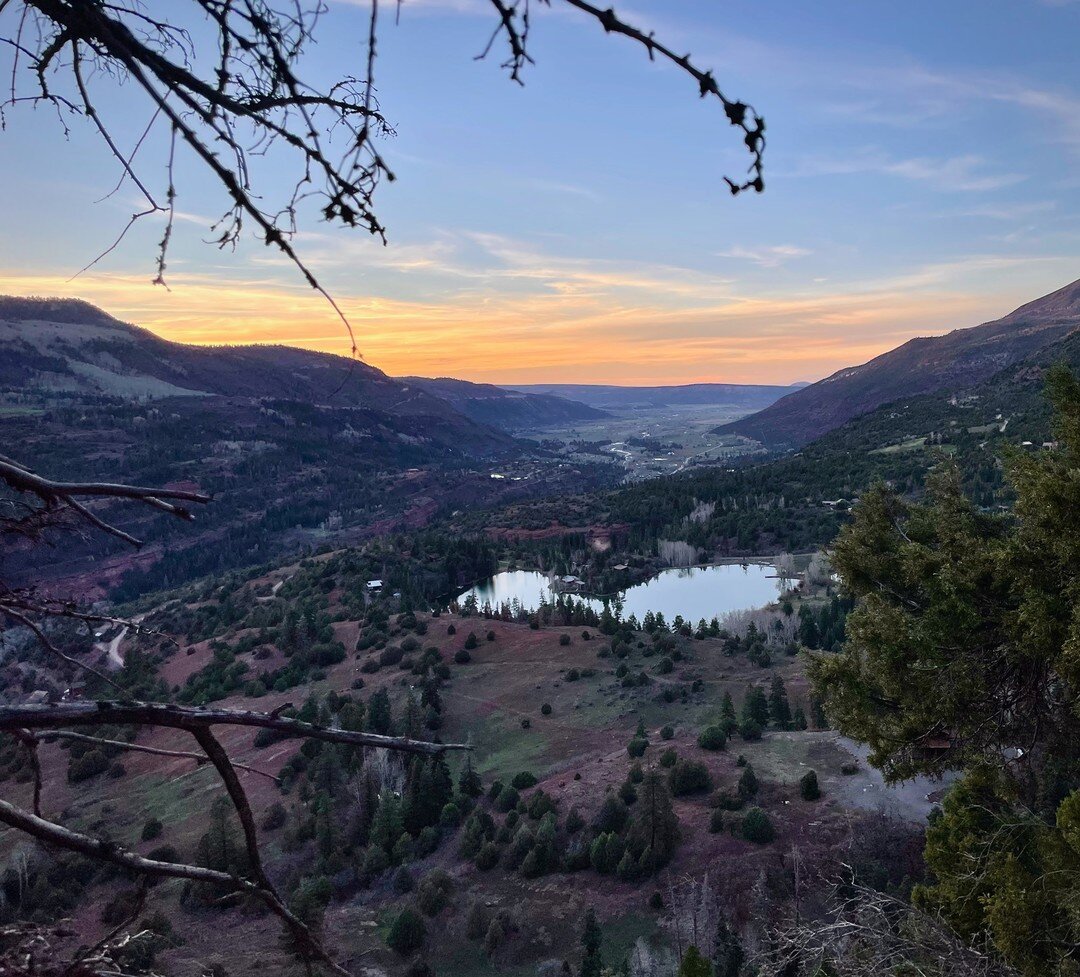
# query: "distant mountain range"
[[611, 397], [505, 407], [953, 362]]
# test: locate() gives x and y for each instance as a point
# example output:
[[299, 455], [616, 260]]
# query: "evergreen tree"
[[694, 964], [779, 709], [379, 719], [592, 963], [656, 826], [727, 715]]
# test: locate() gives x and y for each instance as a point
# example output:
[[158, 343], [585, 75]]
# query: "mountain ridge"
[[956, 360]]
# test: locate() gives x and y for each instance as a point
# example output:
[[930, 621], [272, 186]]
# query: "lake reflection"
[[693, 592]]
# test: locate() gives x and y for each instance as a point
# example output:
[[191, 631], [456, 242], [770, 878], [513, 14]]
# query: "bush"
[[507, 800], [450, 629], [585, 636], [667, 732], [757, 827], [491, 635], [637, 747], [726, 800], [476, 923], [274, 817], [403, 881], [748, 783], [523, 780], [434, 892], [564, 639], [636, 775], [712, 738], [849, 769], [462, 657], [716, 822], [152, 829], [545, 709], [407, 933], [669, 758], [488, 857], [809, 789], [750, 729], [90, 764], [471, 641], [688, 777]]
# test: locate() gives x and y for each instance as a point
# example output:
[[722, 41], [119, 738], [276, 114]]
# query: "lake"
[[693, 592]]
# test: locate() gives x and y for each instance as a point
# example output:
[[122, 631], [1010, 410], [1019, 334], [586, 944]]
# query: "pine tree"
[[656, 827], [694, 964], [592, 962], [779, 708], [728, 718]]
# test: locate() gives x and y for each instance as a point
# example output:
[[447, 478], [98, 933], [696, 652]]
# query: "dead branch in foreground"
[[867, 933], [196, 718]]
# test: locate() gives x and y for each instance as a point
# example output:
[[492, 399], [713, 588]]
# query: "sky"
[[922, 174]]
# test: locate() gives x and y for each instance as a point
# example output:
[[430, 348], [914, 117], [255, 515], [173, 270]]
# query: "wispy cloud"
[[769, 257], [948, 174]]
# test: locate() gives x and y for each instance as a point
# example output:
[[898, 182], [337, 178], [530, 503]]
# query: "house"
[[374, 585], [38, 698]]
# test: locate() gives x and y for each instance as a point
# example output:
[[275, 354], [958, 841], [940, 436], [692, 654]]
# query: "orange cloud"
[[604, 326]]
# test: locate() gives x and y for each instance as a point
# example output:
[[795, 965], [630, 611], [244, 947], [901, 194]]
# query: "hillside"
[[550, 711], [505, 408], [949, 363], [298, 447], [611, 397]]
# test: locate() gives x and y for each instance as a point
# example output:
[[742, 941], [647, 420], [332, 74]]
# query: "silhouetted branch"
[[192, 718]]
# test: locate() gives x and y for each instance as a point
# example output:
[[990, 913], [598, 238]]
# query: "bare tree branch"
[[192, 718]]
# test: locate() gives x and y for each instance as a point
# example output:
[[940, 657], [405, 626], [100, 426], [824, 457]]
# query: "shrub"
[[848, 769], [665, 666], [748, 783], [545, 709], [667, 732], [90, 764], [585, 636], [507, 800], [471, 641], [274, 817], [573, 675], [476, 923], [656, 901], [462, 657], [407, 932], [689, 777], [757, 827], [809, 789], [636, 747], [669, 758], [434, 892], [564, 639], [523, 780], [152, 829], [712, 738], [450, 815], [716, 822], [491, 635], [403, 881], [636, 775], [450, 629], [488, 857], [391, 655], [726, 800], [750, 729]]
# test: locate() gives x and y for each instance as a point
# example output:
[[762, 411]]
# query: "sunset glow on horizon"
[[893, 208]]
